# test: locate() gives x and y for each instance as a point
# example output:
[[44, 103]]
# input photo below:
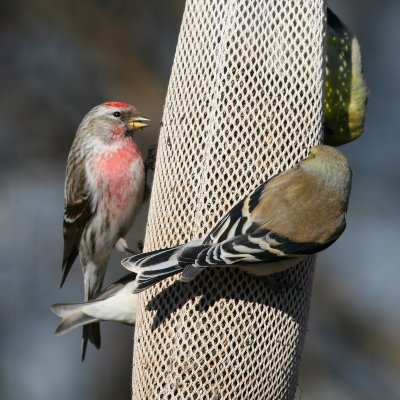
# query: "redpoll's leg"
[[140, 246], [150, 161], [149, 164], [147, 190]]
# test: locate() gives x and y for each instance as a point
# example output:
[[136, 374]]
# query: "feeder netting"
[[245, 100]]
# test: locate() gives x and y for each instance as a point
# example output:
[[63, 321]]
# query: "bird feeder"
[[244, 102]]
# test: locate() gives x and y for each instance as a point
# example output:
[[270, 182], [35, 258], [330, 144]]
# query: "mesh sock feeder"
[[244, 102]]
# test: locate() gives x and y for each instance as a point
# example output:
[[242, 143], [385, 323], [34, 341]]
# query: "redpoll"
[[294, 214], [104, 189]]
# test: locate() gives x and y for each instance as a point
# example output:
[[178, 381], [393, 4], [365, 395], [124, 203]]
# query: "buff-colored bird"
[[292, 215]]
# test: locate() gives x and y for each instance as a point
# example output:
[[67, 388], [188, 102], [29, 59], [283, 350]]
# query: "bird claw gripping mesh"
[[244, 102]]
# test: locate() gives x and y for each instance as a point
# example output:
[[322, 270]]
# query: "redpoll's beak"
[[137, 123]]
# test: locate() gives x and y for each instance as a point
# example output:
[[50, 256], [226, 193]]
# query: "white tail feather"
[[72, 317]]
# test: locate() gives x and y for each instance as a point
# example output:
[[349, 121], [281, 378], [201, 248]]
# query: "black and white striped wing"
[[238, 220], [259, 247], [242, 249]]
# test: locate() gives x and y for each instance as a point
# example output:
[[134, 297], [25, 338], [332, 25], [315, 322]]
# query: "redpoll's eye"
[[117, 114]]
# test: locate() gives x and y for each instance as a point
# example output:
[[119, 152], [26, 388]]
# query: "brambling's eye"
[[117, 114]]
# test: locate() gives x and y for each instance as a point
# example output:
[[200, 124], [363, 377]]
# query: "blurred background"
[[60, 58]]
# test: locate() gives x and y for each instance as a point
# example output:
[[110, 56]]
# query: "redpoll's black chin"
[[129, 133]]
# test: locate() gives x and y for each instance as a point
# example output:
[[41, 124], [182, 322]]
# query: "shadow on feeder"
[[214, 285]]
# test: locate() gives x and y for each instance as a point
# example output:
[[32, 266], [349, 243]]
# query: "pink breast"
[[118, 177]]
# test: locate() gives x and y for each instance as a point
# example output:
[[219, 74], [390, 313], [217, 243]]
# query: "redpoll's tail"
[[90, 332], [72, 317], [155, 266], [93, 281]]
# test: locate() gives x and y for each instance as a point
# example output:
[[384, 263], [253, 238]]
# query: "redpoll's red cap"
[[117, 104]]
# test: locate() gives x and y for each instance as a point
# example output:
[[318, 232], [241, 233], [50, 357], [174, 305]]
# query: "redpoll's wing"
[[77, 213], [73, 318]]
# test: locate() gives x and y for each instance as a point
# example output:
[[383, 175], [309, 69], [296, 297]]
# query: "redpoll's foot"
[[149, 164], [140, 246], [122, 247], [150, 161]]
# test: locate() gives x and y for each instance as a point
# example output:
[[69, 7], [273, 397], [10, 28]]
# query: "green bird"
[[346, 92]]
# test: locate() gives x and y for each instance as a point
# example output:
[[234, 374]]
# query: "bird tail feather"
[[90, 333], [153, 267], [157, 265], [93, 281], [72, 317]]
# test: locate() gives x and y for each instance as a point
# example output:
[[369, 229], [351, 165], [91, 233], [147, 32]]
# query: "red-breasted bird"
[[294, 214], [104, 188]]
